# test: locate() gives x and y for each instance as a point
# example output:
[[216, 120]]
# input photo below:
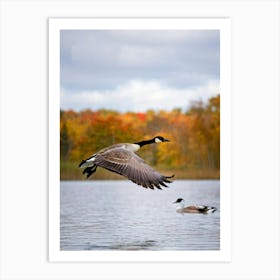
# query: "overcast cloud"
[[138, 70]]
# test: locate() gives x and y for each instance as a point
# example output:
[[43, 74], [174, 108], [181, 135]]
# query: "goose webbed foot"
[[89, 170]]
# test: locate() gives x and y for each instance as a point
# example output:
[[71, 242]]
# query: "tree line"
[[194, 135]]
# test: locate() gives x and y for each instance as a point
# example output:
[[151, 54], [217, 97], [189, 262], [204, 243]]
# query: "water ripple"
[[117, 215]]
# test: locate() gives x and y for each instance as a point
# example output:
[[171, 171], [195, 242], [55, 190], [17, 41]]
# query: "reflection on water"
[[145, 245], [119, 215]]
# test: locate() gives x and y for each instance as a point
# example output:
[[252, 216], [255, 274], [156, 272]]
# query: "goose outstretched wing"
[[130, 165]]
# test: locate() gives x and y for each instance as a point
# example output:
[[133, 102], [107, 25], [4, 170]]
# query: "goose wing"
[[130, 165], [198, 208]]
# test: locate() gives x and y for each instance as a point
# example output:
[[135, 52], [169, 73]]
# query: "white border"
[[55, 25]]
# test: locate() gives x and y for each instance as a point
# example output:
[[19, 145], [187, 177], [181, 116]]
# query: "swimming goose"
[[193, 209], [121, 159]]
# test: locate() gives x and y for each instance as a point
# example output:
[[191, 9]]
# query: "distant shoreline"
[[70, 171]]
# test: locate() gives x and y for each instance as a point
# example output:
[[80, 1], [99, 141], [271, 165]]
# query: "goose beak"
[[166, 140]]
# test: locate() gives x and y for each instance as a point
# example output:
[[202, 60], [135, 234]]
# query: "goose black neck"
[[145, 142]]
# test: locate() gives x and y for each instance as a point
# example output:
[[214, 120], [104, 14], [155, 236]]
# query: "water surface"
[[119, 215]]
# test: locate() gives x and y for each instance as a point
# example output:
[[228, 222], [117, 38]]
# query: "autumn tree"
[[65, 143], [194, 134]]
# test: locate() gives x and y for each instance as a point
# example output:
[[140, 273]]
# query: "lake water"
[[120, 215]]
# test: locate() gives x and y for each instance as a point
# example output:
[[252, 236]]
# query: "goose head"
[[159, 139], [180, 200]]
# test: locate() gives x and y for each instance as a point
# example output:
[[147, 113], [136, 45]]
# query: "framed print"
[[139, 139], [42, 70]]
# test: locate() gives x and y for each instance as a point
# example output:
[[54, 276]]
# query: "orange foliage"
[[194, 134]]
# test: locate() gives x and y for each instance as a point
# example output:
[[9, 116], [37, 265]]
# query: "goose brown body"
[[122, 159], [202, 209]]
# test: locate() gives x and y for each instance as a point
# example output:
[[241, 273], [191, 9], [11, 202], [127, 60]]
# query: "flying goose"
[[122, 159], [193, 209]]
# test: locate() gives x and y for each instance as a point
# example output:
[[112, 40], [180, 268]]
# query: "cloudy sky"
[[137, 70]]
